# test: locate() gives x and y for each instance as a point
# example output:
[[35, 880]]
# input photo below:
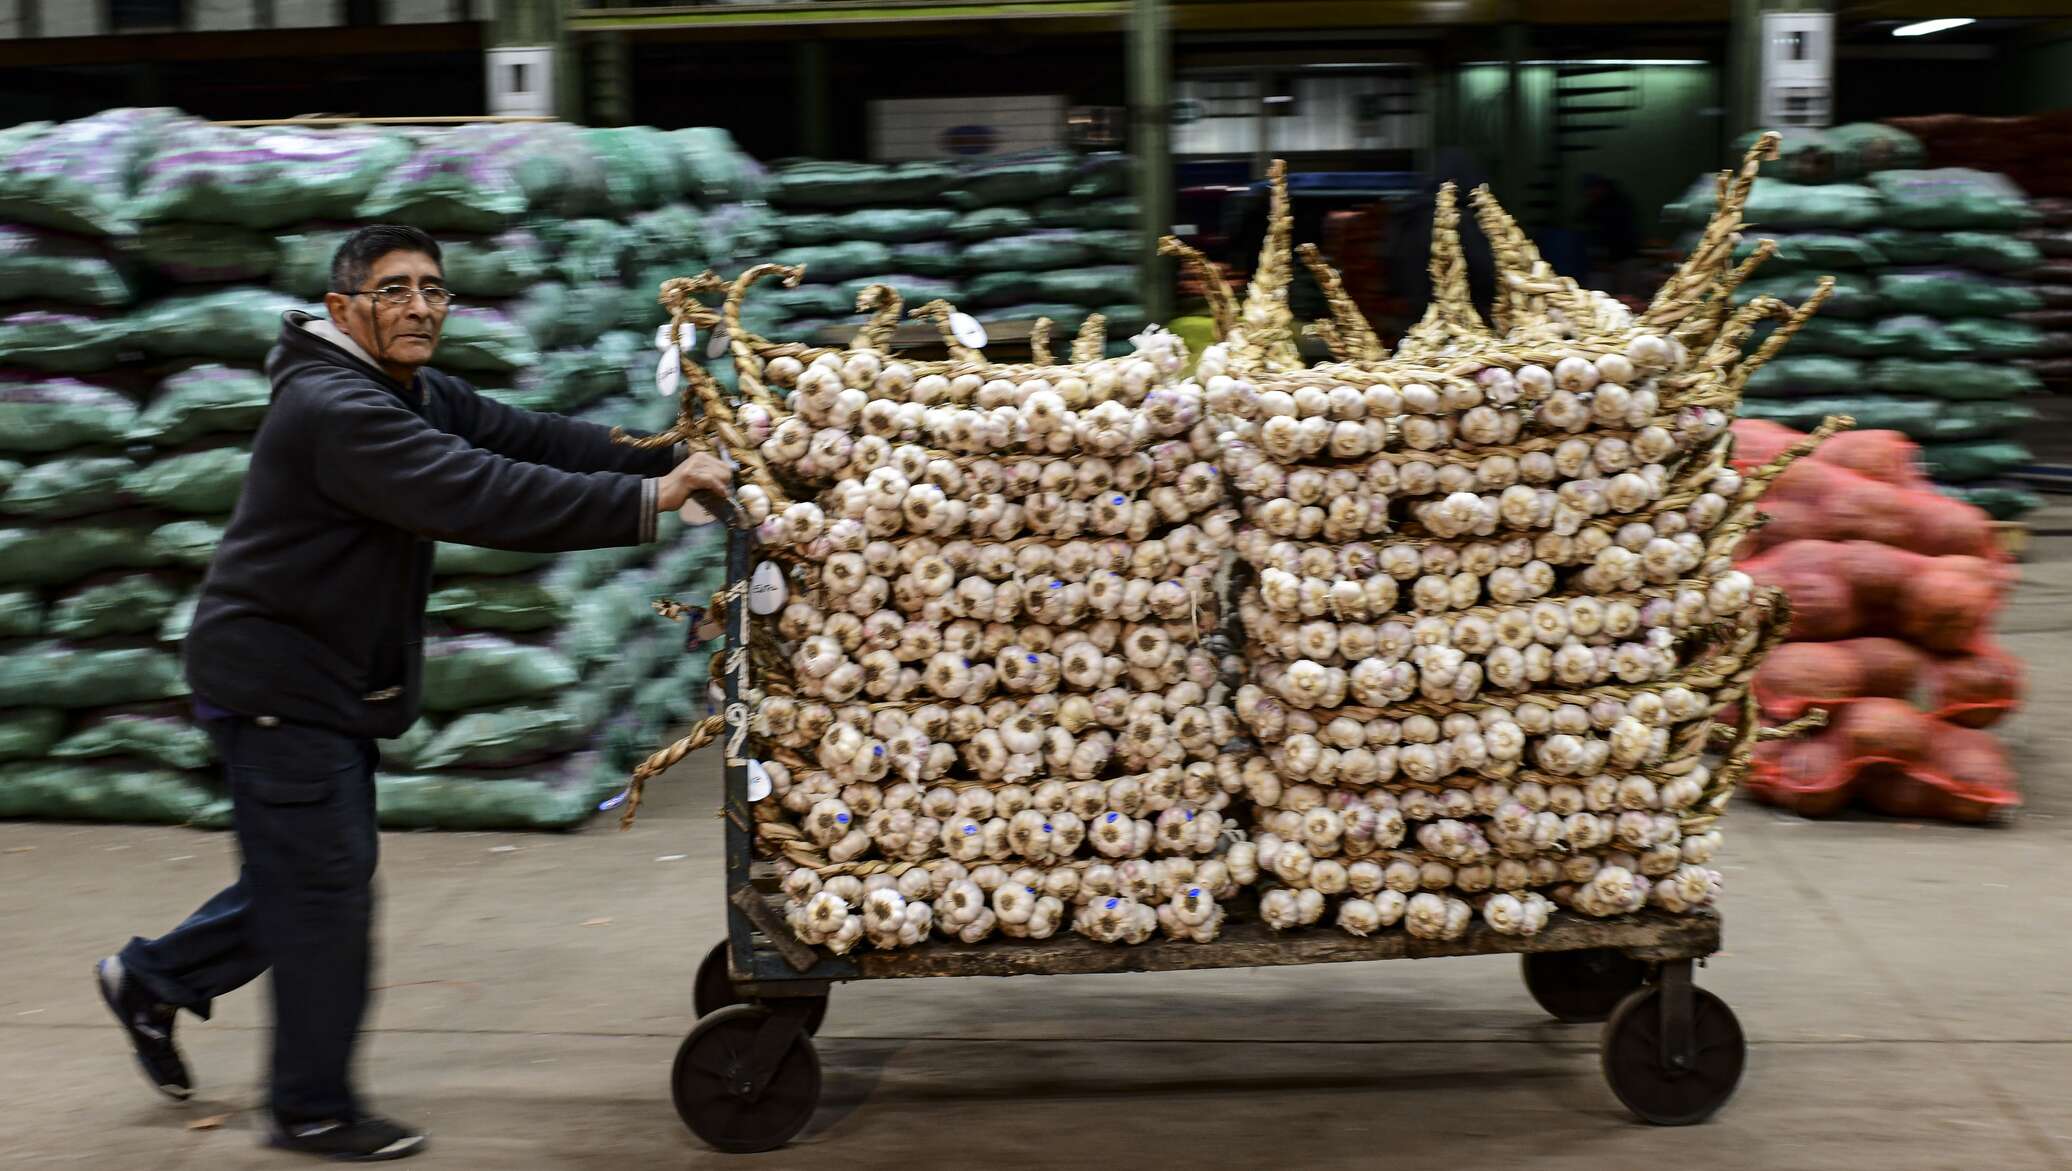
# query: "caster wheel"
[[1581, 986], [1635, 1067], [714, 990], [711, 1082]]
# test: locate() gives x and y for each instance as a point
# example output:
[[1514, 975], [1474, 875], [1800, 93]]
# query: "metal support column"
[[1512, 171], [611, 79], [1745, 59], [519, 23], [816, 136], [1151, 137]]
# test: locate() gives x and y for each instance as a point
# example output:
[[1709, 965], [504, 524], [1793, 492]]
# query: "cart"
[[747, 1077]]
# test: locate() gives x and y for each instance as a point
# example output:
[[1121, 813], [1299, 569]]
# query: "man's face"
[[398, 331]]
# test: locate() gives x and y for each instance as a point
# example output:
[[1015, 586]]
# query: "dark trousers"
[[302, 906]]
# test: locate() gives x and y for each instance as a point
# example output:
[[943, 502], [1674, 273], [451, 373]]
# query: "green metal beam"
[[826, 14]]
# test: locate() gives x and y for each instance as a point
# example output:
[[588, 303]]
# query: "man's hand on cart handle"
[[702, 474]]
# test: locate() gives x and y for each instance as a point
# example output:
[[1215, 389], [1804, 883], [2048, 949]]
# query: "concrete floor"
[[1905, 1005]]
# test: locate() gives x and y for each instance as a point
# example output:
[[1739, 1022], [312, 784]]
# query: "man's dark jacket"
[[313, 611]]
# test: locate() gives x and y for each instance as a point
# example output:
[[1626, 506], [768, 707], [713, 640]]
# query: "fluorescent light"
[[1924, 28], [1605, 61], [1278, 99]]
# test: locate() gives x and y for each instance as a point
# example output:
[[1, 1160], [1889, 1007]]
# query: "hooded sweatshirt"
[[313, 609]]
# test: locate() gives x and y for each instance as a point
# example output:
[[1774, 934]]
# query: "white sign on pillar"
[[521, 81]]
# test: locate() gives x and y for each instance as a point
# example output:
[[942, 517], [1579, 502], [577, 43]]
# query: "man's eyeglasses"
[[433, 295]]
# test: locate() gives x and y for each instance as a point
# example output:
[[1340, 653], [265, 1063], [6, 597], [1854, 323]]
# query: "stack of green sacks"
[[145, 260], [1047, 234], [1921, 334]]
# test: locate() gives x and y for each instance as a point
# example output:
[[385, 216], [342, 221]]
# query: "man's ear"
[[337, 304]]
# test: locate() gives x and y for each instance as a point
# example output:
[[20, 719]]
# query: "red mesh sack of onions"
[[1974, 689], [1857, 486], [1966, 777]]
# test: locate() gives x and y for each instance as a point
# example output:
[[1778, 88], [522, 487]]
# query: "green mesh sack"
[[1104, 174], [589, 250], [134, 604], [476, 670], [185, 543], [180, 618], [76, 177], [27, 733], [1875, 146], [1821, 251], [1917, 336], [1952, 197], [1985, 251], [63, 341], [928, 258], [62, 488], [204, 482], [447, 185], [1974, 459], [1018, 180], [262, 177], [914, 290], [806, 300], [482, 801], [893, 225], [202, 400], [504, 737], [1854, 295], [58, 414], [999, 288], [401, 753], [2001, 500], [165, 740], [48, 267], [1776, 204], [1915, 417], [1030, 253], [830, 263], [450, 560], [113, 792], [1838, 335], [1982, 419], [55, 554], [1804, 155], [1993, 338], [208, 254], [1950, 292], [552, 314], [1953, 380], [989, 223], [564, 380], [498, 603], [484, 339], [1108, 213], [233, 325], [21, 614], [1126, 319], [719, 170], [837, 184], [806, 227], [1111, 245], [1063, 318], [57, 674], [1087, 286]]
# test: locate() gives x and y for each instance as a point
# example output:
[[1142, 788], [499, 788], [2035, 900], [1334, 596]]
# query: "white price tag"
[[758, 781], [966, 329], [682, 336], [766, 590], [717, 347], [669, 373]]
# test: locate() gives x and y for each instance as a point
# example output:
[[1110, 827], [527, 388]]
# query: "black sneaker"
[[150, 1028], [369, 1140]]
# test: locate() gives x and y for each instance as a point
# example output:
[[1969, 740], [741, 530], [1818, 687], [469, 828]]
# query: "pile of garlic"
[[988, 704], [1484, 583]]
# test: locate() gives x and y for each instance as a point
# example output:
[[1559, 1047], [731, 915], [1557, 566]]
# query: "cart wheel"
[[1640, 1072], [714, 1080], [714, 990], [1582, 986]]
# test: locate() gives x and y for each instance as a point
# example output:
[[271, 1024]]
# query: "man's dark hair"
[[354, 261]]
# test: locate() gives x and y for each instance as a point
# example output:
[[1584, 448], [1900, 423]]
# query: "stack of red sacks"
[[1894, 588], [1354, 239]]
